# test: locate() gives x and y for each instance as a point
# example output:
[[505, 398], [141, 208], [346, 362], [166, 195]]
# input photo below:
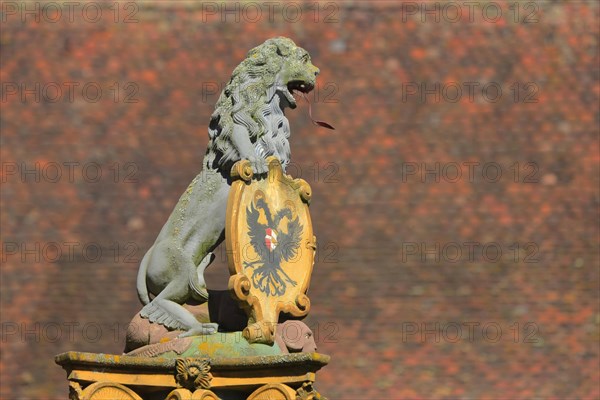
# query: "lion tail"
[[142, 287]]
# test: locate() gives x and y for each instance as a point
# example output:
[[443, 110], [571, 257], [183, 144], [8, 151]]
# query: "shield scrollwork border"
[[263, 312]]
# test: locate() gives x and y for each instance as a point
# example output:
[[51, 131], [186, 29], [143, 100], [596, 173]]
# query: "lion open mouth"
[[296, 86], [300, 86], [303, 88]]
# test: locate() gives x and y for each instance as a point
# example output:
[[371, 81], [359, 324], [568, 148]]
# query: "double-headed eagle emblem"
[[272, 246]]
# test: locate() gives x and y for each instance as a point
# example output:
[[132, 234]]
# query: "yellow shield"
[[270, 246]]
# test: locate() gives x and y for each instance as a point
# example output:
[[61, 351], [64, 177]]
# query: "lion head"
[[255, 98]]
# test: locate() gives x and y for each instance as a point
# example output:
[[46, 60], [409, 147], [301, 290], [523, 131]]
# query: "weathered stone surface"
[[290, 337]]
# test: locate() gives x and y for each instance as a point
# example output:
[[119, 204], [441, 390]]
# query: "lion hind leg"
[[174, 316], [197, 283]]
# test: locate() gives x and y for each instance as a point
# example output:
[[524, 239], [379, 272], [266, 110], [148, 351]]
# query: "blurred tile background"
[[456, 203]]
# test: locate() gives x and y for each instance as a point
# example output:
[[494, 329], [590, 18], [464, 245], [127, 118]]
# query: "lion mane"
[[255, 97]]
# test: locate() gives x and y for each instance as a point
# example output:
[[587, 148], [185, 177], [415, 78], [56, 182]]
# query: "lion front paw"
[[259, 165], [201, 329]]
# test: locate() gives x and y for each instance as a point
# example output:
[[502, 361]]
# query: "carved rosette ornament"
[[193, 373], [269, 235]]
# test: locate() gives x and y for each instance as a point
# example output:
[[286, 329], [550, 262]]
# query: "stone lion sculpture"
[[248, 123]]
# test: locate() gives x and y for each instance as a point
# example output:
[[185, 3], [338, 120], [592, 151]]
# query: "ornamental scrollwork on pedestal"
[[75, 390]]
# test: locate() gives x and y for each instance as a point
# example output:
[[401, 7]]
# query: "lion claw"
[[201, 329], [259, 166]]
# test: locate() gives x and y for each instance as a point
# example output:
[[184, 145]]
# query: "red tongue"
[[318, 123]]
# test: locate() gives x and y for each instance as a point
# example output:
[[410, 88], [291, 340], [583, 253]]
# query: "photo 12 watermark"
[[69, 171], [63, 252], [325, 252], [270, 11], [327, 92], [95, 331], [327, 172], [469, 91], [470, 331], [470, 252], [453, 12], [53, 12], [69, 92], [470, 171]]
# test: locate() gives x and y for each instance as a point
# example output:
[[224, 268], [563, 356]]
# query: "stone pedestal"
[[110, 377]]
